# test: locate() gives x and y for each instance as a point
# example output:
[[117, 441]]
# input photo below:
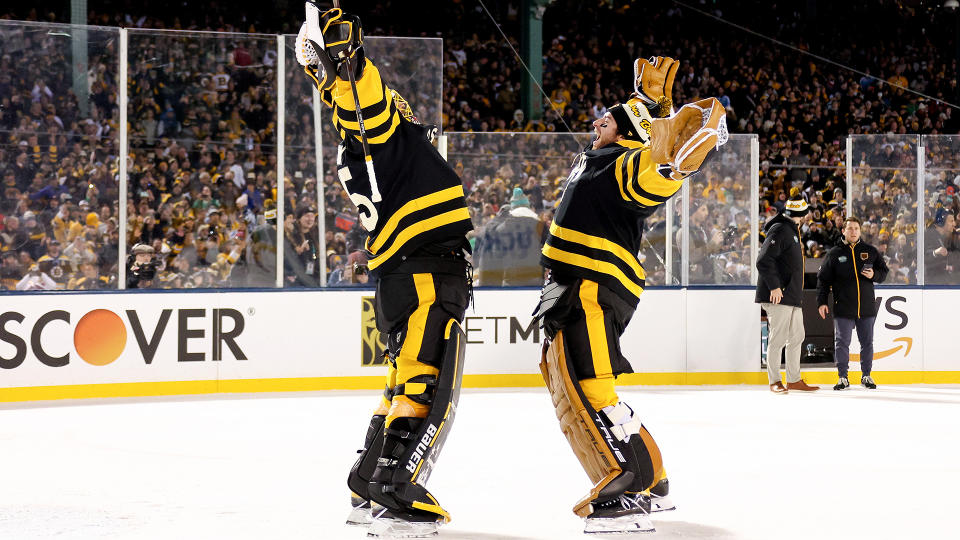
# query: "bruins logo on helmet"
[[404, 108]]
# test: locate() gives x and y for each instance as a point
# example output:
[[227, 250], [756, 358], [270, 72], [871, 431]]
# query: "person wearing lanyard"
[[850, 269]]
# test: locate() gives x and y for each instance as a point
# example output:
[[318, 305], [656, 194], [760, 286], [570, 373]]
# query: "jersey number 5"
[[368, 212]]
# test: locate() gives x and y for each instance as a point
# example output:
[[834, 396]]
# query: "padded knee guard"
[[412, 445], [604, 445]]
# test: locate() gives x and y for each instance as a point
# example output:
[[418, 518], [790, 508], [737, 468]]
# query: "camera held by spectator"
[[141, 267]]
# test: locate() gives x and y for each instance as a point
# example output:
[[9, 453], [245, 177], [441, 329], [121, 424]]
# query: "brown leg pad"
[[577, 424]]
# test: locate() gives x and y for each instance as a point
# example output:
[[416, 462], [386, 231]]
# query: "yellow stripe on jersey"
[[642, 175], [429, 224], [595, 242], [368, 123], [372, 92], [380, 139], [419, 203], [631, 158], [602, 267], [596, 332]]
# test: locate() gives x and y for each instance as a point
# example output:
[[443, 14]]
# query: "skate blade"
[[633, 523], [360, 516], [398, 528], [661, 504]]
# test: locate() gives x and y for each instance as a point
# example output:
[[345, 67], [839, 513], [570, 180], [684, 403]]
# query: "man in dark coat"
[[851, 269], [941, 261], [779, 292]]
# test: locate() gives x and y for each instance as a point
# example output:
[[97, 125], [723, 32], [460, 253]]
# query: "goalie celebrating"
[[412, 204], [635, 163]]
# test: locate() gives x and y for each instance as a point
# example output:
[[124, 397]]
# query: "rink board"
[[58, 346]]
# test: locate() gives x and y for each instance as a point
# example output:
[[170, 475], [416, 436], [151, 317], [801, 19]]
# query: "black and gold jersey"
[[59, 268], [598, 226], [417, 198]]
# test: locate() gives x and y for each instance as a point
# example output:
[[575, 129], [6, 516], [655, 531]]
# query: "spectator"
[[89, 278], [141, 267], [36, 280], [10, 270], [508, 252], [941, 257], [55, 264]]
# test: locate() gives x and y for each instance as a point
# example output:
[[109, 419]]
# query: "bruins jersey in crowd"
[[417, 199], [597, 229]]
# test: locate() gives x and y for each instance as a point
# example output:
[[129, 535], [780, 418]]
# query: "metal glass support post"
[[321, 193], [668, 242], [685, 236], [921, 204], [281, 150], [755, 209], [849, 182], [123, 154]]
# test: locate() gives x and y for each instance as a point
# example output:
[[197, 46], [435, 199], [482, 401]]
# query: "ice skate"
[[660, 500], [386, 524], [360, 514], [629, 513]]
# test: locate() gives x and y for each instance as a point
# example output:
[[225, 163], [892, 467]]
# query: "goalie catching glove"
[[687, 139], [327, 43], [653, 83]]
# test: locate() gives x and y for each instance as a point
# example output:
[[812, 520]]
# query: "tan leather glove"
[[686, 139], [653, 83]]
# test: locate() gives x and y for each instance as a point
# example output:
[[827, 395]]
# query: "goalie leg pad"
[[616, 451], [605, 459], [362, 470], [415, 434]]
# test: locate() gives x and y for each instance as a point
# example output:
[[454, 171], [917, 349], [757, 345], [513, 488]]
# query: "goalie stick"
[[367, 156]]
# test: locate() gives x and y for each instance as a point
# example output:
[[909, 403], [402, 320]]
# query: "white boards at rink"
[[62, 345]]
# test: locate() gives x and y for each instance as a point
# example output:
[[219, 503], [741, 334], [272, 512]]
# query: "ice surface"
[[743, 463]]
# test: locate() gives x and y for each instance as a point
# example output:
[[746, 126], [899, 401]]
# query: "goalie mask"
[[633, 120]]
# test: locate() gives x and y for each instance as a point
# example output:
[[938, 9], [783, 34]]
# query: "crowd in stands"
[[202, 177]]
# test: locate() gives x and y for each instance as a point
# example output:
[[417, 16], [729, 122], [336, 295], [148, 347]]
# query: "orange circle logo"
[[100, 337]]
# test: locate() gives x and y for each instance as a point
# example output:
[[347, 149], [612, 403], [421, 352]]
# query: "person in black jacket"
[[941, 261], [779, 292], [851, 269]]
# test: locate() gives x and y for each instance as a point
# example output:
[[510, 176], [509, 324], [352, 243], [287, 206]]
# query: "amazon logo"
[[904, 343]]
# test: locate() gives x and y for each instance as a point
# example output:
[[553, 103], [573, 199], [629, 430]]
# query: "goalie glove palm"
[[653, 83], [688, 138]]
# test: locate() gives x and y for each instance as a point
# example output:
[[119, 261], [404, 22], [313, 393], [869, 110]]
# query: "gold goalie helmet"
[[688, 138]]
